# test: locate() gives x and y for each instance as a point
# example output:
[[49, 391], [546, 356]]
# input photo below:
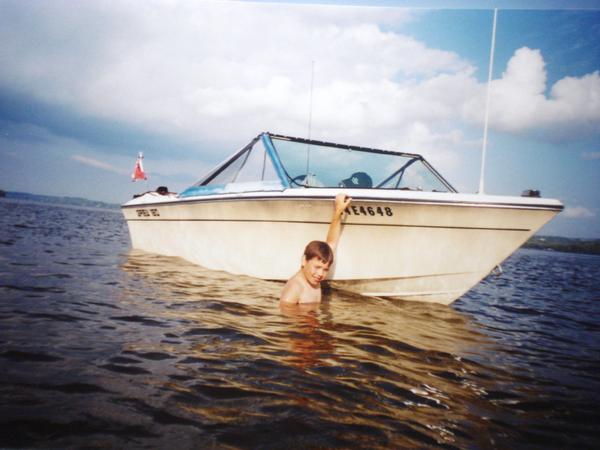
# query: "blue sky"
[[83, 89]]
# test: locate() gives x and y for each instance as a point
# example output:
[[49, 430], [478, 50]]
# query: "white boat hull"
[[414, 246]]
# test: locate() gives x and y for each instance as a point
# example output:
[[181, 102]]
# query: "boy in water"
[[305, 285]]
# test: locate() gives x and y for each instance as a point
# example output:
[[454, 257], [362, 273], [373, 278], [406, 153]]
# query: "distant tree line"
[[72, 201], [561, 244]]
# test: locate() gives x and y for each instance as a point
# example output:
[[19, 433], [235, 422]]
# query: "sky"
[[85, 86]]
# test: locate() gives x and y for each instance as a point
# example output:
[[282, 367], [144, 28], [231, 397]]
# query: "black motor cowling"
[[531, 193]]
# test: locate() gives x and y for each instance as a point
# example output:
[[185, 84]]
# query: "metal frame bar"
[[225, 164], [397, 172], [270, 148], [342, 146]]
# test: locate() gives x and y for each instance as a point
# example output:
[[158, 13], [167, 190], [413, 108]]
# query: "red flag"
[[138, 170]]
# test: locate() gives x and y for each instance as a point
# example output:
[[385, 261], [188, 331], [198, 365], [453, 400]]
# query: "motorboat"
[[408, 234]]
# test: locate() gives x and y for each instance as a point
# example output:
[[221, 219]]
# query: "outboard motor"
[[531, 193]]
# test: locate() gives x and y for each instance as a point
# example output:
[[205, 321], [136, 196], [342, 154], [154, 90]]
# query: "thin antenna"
[[487, 104], [312, 79]]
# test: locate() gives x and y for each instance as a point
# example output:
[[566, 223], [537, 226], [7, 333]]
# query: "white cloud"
[[519, 102], [591, 155], [222, 68], [36, 160], [578, 212], [228, 70], [97, 164]]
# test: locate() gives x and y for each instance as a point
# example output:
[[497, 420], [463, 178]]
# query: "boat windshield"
[[274, 163], [249, 170], [313, 164]]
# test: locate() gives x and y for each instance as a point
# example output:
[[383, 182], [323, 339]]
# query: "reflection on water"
[[103, 346], [363, 371]]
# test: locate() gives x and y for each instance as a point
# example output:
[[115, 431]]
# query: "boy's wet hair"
[[319, 249]]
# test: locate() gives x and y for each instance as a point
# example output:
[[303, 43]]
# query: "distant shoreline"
[[68, 201], [550, 243], [562, 244]]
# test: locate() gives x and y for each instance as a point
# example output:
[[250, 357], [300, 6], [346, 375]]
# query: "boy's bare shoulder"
[[292, 291]]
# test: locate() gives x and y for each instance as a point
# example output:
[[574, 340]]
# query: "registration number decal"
[[147, 212], [355, 210]]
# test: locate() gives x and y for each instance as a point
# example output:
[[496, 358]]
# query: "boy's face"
[[314, 270]]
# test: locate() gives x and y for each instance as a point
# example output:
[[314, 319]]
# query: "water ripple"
[[139, 350]]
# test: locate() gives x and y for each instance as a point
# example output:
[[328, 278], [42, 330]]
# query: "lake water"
[[102, 346]]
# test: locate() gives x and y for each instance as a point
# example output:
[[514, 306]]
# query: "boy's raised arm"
[[335, 227]]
